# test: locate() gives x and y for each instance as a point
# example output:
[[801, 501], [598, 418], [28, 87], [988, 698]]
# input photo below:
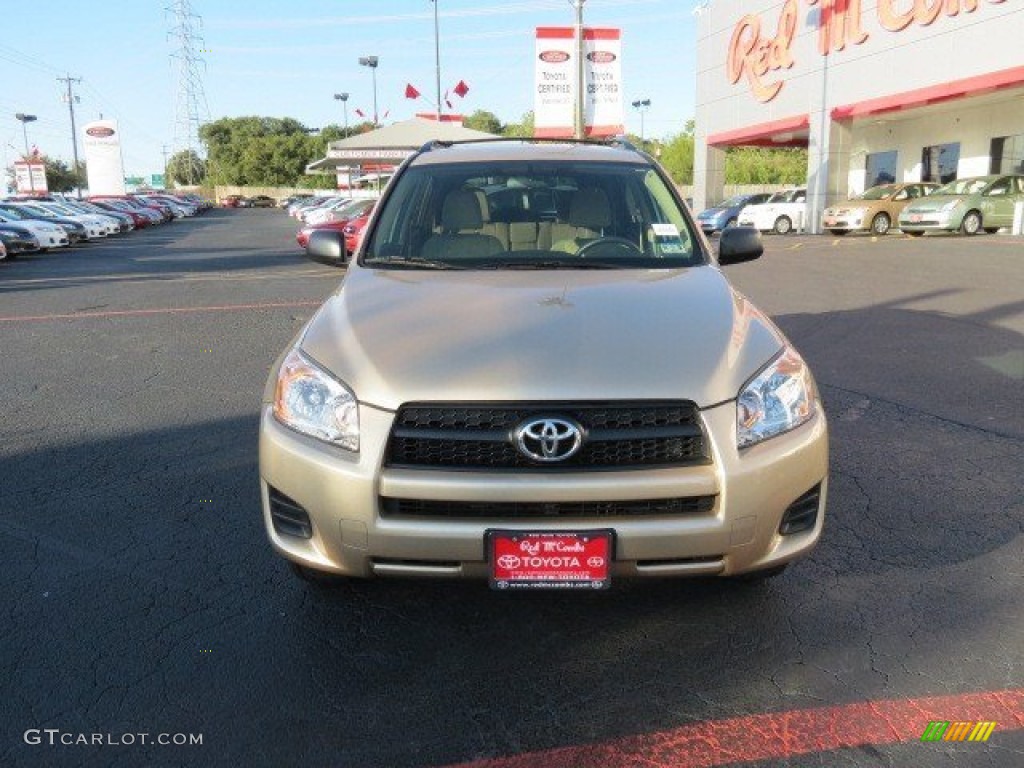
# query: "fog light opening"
[[289, 518], [802, 514]]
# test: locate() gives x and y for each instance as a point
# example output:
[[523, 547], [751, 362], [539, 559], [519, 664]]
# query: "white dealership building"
[[877, 90]]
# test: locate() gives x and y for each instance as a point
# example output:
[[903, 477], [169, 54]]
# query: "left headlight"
[[311, 401], [950, 206], [779, 398]]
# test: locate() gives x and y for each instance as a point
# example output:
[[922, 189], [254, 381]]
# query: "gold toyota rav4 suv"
[[535, 373]]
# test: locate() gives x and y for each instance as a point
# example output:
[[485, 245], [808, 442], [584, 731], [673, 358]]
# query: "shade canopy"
[[392, 143]]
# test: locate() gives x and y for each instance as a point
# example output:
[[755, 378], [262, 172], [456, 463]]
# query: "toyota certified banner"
[[103, 163], [555, 81], [30, 178]]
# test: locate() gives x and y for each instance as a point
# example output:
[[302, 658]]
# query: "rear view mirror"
[[327, 245], [738, 244]]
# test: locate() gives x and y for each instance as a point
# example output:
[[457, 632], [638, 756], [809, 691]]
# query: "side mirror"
[[736, 245], [327, 245]]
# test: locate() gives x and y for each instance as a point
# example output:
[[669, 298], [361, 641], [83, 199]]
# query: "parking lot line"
[[161, 311], [780, 735]]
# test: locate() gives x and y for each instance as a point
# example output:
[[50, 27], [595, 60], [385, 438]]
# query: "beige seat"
[[461, 236], [589, 215]]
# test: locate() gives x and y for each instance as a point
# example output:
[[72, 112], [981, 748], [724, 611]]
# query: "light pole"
[[580, 118], [437, 59], [641, 106], [343, 98], [21, 116], [371, 62]]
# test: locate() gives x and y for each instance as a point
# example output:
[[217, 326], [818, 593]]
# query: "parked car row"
[[349, 217], [44, 222], [968, 205]]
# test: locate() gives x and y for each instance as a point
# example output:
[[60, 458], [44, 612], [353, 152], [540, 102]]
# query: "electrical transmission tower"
[[191, 109]]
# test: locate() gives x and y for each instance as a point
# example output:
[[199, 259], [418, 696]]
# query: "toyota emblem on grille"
[[549, 439]]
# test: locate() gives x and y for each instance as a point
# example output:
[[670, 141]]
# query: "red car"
[[354, 232], [231, 201], [338, 225]]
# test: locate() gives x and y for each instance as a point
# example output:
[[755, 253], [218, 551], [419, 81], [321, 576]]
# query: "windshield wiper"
[[578, 264], [412, 263]]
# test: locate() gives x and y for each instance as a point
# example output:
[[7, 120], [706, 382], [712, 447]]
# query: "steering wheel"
[[619, 243]]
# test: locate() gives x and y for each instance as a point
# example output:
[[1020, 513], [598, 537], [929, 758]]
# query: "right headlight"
[[780, 398], [311, 401]]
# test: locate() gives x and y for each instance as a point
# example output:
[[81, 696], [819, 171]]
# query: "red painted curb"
[[779, 735]]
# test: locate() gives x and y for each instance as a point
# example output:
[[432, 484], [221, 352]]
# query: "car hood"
[[401, 336], [933, 202], [710, 213]]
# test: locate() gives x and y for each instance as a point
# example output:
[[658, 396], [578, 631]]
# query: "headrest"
[[589, 208], [461, 211]]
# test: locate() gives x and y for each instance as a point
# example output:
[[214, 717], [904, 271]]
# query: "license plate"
[[916, 217], [549, 560]]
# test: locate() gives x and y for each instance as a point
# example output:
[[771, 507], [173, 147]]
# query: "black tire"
[[313, 577], [880, 224], [783, 225], [839, 232], [971, 223], [991, 230]]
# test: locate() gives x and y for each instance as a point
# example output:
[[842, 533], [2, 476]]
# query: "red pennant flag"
[[360, 113], [410, 92], [461, 89]]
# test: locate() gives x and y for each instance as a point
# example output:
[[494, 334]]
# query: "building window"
[[881, 168], [939, 162], [1007, 154]]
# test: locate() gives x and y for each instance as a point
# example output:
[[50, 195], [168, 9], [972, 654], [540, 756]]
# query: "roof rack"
[[619, 141]]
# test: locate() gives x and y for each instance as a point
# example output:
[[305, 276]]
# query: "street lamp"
[[371, 62], [343, 98], [641, 106], [21, 116]]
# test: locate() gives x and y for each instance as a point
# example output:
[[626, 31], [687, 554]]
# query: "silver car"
[[536, 373]]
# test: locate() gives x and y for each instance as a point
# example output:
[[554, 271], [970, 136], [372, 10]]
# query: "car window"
[[532, 214], [998, 188]]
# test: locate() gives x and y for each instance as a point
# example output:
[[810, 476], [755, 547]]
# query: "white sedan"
[[782, 212]]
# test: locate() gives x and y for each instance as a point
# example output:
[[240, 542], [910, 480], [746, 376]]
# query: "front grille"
[[694, 505], [480, 436]]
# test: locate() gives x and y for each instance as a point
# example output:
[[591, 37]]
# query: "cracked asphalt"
[[142, 597]]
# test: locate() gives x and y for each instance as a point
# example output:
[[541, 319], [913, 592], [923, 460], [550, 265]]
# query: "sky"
[[288, 59]]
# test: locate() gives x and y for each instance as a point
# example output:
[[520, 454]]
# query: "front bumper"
[[931, 221], [341, 493]]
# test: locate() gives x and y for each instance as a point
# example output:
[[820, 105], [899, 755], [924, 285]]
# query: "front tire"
[[880, 224], [783, 226], [971, 223]]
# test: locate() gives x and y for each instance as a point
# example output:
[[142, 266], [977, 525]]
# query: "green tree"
[[521, 130], [764, 165], [677, 157], [186, 168], [60, 177], [481, 120]]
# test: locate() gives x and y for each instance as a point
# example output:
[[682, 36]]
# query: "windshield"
[[6, 214], [963, 187], [881, 192], [788, 196], [732, 202], [532, 215]]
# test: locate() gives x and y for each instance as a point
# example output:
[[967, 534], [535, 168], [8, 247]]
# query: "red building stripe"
[[934, 94], [761, 133]]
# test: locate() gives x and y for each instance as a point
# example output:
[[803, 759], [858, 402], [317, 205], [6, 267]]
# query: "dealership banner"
[[103, 163], [555, 82], [30, 177]]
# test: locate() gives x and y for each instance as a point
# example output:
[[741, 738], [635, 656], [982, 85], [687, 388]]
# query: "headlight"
[[780, 398], [950, 206], [310, 401]]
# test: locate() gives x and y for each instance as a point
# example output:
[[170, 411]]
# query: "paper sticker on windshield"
[[667, 237]]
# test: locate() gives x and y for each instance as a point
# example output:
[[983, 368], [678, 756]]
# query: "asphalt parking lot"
[[142, 597]]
